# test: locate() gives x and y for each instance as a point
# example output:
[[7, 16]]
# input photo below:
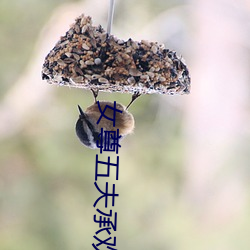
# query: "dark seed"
[[45, 77]]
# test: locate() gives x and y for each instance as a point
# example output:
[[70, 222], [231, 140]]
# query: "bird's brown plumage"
[[124, 121]]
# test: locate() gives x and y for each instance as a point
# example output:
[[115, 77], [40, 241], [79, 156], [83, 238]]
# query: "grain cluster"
[[88, 57]]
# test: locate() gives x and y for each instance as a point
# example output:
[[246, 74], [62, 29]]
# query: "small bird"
[[88, 130]]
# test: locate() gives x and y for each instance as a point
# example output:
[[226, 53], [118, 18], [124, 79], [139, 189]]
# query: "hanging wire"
[[110, 15]]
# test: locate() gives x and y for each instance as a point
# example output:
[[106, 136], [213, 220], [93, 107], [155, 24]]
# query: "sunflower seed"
[[120, 42], [95, 76], [131, 80], [77, 57], [77, 29], [78, 70], [135, 45], [145, 42], [77, 79], [85, 46], [152, 69], [64, 43], [134, 72], [154, 49], [68, 54], [69, 60], [144, 78], [61, 62], [84, 29], [88, 62], [88, 77], [103, 80], [150, 74]]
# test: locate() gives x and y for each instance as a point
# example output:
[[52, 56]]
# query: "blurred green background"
[[184, 173]]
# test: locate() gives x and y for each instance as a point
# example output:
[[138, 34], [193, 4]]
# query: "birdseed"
[[87, 57]]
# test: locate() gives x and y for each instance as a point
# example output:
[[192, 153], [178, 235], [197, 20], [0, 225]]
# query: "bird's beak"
[[82, 115]]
